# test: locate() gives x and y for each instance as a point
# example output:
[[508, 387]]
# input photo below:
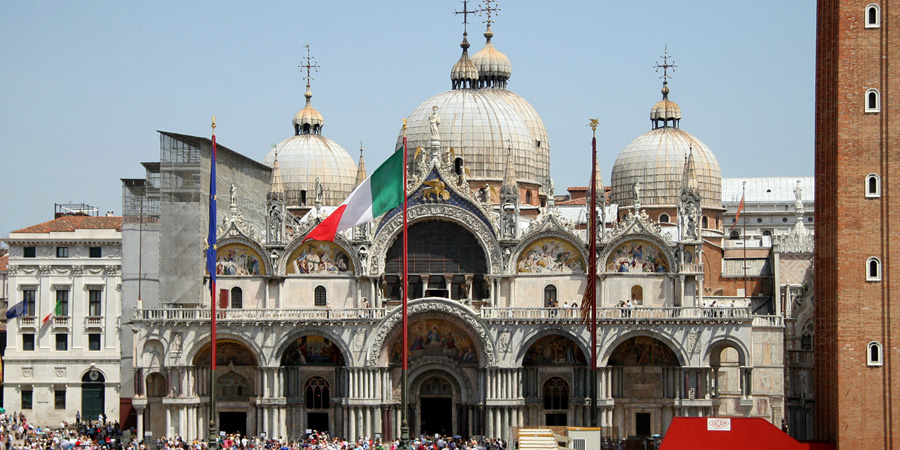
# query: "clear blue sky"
[[85, 85]]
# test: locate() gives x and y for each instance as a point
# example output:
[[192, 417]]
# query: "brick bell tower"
[[857, 317]]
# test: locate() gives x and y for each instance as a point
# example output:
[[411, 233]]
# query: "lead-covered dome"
[[656, 159], [494, 68], [308, 156]]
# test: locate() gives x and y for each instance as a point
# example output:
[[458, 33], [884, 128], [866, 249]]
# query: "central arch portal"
[[436, 406]]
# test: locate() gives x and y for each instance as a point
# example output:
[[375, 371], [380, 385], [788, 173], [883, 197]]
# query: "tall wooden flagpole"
[[211, 268], [592, 272], [404, 388]]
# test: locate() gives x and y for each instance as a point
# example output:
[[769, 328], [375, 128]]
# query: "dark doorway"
[[233, 422], [642, 424], [437, 416], [317, 421], [92, 395], [556, 419]]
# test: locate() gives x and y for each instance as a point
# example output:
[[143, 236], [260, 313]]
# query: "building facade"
[[309, 332], [62, 354], [856, 153]]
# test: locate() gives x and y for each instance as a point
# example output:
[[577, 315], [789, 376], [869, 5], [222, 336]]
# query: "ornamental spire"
[[308, 120], [464, 74]]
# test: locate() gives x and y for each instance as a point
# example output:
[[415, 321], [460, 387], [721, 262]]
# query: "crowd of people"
[[17, 433]]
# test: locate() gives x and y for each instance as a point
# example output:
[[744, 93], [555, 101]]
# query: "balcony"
[[93, 322], [622, 315], [62, 322], [28, 323], [189, 315]]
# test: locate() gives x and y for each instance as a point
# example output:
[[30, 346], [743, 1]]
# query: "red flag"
[[738, 215]]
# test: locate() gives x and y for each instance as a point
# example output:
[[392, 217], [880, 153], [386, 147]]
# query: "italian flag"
[[380, 193], [57, 311]]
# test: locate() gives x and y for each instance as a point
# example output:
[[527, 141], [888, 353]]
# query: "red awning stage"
[[733, 433]]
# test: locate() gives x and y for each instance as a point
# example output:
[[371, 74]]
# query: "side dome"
[[494, 68], [305, 157], [656, 159], [480, 128], [539, 136]]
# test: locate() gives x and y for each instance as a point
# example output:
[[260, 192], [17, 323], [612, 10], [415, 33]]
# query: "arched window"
[[527, 197], [873, 101], [873, 185], [317, 395], [303, 197], [549, 295], [637, 295], [320, 297], [704, 222], [873, 269], [734, 235], [663, 218], [237, 298], [874, 354], [873, 16], [767, 233], [556, 394]]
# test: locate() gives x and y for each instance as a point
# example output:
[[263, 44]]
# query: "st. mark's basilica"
[[693, 319]]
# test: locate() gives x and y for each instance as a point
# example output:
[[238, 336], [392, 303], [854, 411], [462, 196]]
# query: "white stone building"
[[62, 354]]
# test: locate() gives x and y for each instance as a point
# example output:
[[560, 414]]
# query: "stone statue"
[[691, 212], [233, 196], [320, 192], [798, 197], [636, 192], [435, 119], [510, 224]]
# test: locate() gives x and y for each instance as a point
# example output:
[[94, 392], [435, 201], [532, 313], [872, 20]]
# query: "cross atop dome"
[[665, 65], [465, 12], [310, 66], [488, 10]]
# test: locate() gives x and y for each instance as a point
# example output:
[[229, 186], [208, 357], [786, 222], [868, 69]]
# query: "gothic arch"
[[391, 229], [609, 348], [339, 240], [202, 340], [552, 331], [284, 342], [719, 344], [241, 240], [378, 338]]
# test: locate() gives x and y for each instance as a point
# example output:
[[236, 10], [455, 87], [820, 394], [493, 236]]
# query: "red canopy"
[[733, 433]]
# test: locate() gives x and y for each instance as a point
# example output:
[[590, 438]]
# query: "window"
[[704, 222], [873, 102], [94, 342], [735, 235], [873, 186], [28, 342], [237, 298], [767, 233], [663, 218], [317, 395], [320, 297], [28, 297], [873, 354], [62, 342], [527, 197], [59, 399], [26, 399], [28, 252], [96, 252], [549, 295], [62, 252], [62, 303], [873, 269], [556, 394], [95, 302], [873, 16]]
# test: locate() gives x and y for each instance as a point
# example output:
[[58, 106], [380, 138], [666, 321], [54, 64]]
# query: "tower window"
[[873, 16], [663, 218], [873, 269], [873, 101], [874, 354], [320, 297], [237, 298], [873, 186], [704, 222], [528, 197]]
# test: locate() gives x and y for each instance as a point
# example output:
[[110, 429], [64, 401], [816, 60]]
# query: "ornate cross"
[[311, 65], [665, 65], [489, 10], [465, 12]]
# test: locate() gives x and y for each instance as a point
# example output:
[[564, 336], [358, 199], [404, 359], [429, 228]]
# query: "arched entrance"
[[93, 396], [555, 370], [311, 366], [155, 419], [445, 260], [645, 383], [236, 377], [436, 402]]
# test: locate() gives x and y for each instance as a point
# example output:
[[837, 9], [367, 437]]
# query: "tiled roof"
[[4, 262], [577, 201], [72, 223]]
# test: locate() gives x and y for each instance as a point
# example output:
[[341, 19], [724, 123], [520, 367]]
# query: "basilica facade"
[[309, 333]]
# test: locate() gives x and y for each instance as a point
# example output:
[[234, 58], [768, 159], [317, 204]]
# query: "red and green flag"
[[380, 193]]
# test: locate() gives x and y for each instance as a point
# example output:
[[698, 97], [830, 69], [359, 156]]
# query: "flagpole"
[[592, 273], [211, 267], [404, 388], [744, 236]]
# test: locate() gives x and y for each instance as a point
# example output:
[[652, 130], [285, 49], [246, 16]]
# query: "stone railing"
[[607, 314], [768, 321], [256, 315], [93, 321]]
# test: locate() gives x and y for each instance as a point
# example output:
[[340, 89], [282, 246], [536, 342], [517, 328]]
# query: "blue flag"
[[211, 238], [17, 310]]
